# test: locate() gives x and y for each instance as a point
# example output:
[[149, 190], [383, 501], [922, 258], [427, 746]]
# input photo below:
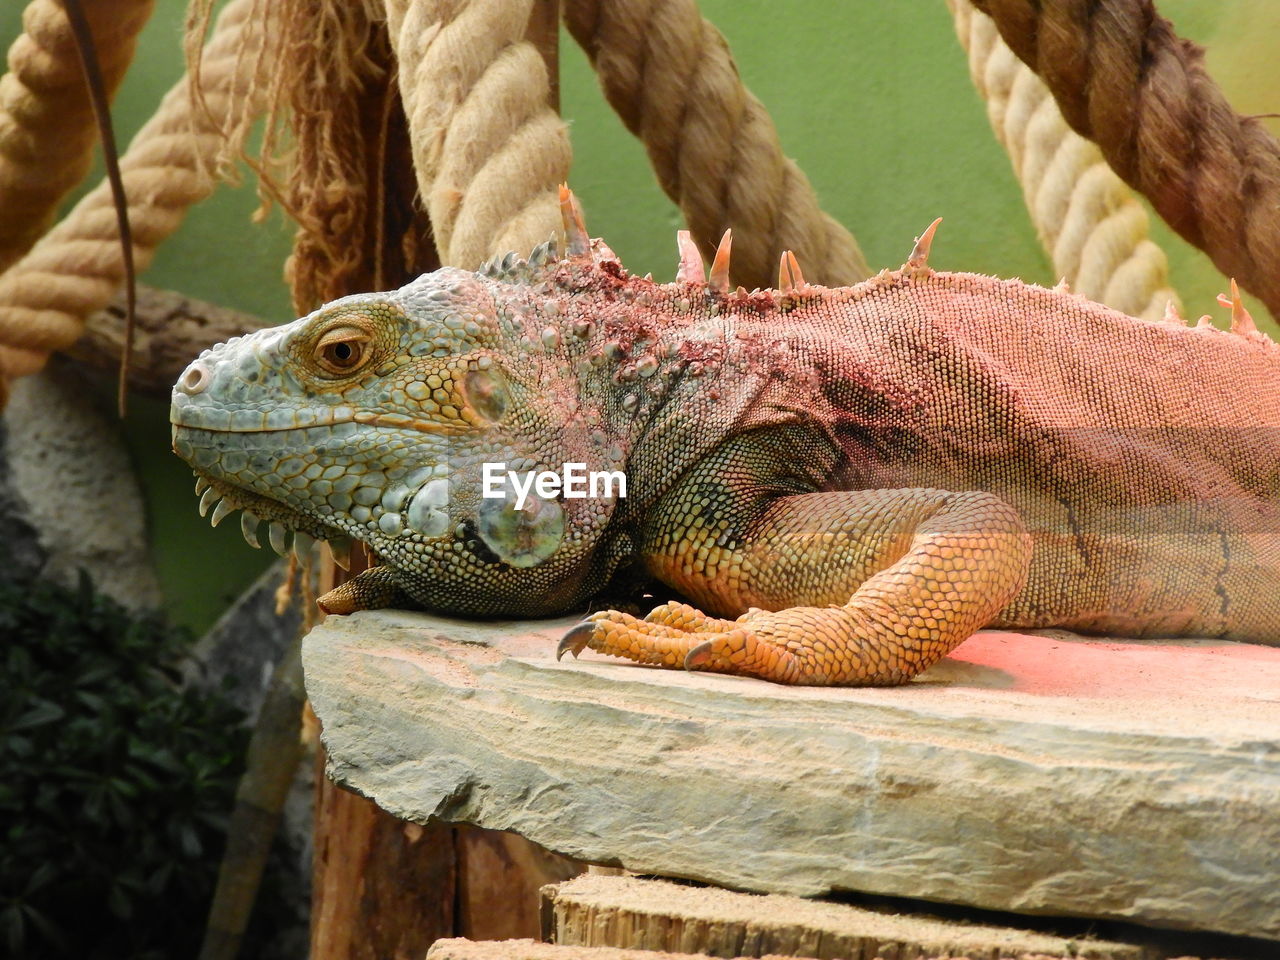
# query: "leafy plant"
[[115, 781]]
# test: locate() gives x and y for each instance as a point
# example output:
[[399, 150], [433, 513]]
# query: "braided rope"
[[1093, 228], [1124, 79], [47, 134], [488, 149], [77, 266], [671, 78]]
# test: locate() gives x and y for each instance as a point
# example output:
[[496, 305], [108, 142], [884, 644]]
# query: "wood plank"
[[634, 913], [1041, 774], [525, 949]]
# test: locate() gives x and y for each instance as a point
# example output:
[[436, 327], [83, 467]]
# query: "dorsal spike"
[[785, 284], [1204, 321], [601, 251], [576, 241], [1062, 286], [1171, 313], [797, 278], [719, 279], [1241, 319], [919, 259], [544, 253], [691, 269]]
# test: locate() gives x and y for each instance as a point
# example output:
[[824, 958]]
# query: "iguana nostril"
[[194, 379]]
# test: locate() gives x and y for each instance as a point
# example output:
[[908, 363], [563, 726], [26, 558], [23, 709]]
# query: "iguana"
[[863, 476]]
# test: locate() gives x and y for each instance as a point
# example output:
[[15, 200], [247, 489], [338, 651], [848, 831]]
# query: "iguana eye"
[[342, 349]]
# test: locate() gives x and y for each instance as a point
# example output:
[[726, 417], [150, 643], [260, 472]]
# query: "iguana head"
[[373, 418]]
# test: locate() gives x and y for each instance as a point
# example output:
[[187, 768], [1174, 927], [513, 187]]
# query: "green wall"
[[873, 100]]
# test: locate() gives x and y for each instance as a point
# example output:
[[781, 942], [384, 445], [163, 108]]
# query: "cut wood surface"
[[1042, 774], [459, 949], [630, 912]]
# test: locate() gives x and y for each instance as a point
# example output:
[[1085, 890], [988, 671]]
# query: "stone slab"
[[68, 474], [595, 911], [1035, 773]]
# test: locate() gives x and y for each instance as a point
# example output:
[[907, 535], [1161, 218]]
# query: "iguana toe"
[[674, 635], [371, 589], [619, 634], [685, 617]]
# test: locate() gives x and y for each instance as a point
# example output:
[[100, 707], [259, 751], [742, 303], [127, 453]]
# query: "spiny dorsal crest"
[[719, 279], [690, 269], [918, 262], [576, 241], [579, 246], [790, 279], [1241, 320]]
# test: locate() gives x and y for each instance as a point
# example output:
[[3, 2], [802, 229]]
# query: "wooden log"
[[412, 884], [380, 887], [171, 331], [633, 913], [501, 877], [462, 949], [383, 887], [1038, 774]]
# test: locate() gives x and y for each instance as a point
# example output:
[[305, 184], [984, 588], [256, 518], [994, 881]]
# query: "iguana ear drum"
[[524, 537], [428, 512]]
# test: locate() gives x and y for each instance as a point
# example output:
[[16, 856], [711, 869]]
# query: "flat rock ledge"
[[1035, 773]]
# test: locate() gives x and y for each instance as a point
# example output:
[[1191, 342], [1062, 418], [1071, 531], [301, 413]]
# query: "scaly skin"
[[861, 476]]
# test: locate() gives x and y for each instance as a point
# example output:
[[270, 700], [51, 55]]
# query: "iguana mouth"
[[283, 524]]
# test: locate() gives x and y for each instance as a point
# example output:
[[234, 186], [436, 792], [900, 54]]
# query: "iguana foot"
[[678, 635], [371, 589], [817, 646]]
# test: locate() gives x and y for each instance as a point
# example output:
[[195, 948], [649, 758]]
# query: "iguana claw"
[[576, 639]]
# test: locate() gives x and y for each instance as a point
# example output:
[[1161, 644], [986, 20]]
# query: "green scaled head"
[[412, 421]]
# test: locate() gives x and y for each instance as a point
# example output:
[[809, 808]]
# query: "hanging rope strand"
[[1093, 228], [47, 133], [76, 268], [1124, 79], [488, 149], [671, 78]]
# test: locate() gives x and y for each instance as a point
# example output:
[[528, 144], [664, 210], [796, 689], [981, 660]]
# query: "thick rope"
[[344, 173], [670, 76], [1124, 79], [47, 133], [488, 149], [76, 267], [1093, 228]]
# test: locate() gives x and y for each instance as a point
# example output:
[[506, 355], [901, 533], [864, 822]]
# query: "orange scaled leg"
[[865, 587]]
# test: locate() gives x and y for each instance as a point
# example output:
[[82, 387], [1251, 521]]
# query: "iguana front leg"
[[869, 587]]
